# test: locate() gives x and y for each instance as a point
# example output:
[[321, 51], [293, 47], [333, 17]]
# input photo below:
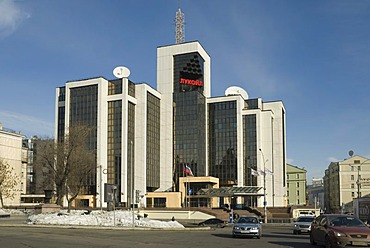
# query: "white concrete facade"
[[271, 140], [139, 163], [165, 85], [270, 129]]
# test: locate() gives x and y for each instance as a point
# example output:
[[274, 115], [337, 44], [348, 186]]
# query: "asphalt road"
[[32, 236]]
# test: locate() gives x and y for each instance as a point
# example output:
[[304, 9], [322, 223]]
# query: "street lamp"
[[100, 187], [101, 172], [264, 187], [132, 185], [358, 183], [358, 187]]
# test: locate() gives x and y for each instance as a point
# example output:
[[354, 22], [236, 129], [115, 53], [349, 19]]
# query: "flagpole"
[[188, 196]]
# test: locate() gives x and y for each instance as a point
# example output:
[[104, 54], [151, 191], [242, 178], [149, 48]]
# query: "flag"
[[254, 172], [261, 172], [265, 172], [269, 172], [188, 171]]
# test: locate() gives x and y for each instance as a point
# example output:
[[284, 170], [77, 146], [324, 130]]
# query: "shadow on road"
[[285, 236], [293, 245], [223, 235], [270, 235]]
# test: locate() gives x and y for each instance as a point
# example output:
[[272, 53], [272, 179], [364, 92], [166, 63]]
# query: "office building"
[[146, 137]]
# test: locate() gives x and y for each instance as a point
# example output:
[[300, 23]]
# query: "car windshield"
[[247, 220], [305, 219], [346, 221]]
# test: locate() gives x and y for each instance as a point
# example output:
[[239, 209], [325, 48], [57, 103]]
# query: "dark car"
[[339, 230], [214, 222]]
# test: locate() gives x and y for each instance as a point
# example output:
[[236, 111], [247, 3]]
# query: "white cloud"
[[26, 124], [333, 159], [11, 16], [289, 160]]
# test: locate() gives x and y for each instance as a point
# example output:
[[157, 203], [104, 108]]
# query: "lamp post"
[[132, 185], [358, 182], [264, 187], [359, 187], [101, 172], [100, 187], [358, 191]]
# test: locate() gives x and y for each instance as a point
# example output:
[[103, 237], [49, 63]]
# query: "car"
[[247, 226], [213, 222], [339, 230], [303, 225]]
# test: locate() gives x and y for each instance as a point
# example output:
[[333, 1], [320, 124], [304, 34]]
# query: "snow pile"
[[14, 211], [99, 218], [2, 212]]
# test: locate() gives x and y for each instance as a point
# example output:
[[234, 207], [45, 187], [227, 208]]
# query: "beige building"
[[12, 153], [296, 187], [344, 181], [187, 192]]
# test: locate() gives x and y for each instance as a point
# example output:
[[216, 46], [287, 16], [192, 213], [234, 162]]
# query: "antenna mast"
[[180, 29]]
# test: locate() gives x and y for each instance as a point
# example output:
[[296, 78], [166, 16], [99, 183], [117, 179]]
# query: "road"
[[32, 236]]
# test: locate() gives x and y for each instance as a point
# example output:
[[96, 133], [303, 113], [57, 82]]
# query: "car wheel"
[[312, 240], [294, 232], [218, 225], [202, 224], [327, 242]]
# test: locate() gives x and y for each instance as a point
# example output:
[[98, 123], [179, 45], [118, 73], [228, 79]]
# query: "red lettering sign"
[[191, 82]]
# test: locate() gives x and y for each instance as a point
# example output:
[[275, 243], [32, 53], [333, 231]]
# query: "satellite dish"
[[121, 72], [235, 90], [350, 153]]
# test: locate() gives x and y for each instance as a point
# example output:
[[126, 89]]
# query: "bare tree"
[[82, 163], [8, 181], [70, 162]]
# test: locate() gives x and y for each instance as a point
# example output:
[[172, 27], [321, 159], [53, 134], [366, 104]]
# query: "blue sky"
[[314, 55]]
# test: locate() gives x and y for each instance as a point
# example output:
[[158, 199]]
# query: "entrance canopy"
[[230, 191]]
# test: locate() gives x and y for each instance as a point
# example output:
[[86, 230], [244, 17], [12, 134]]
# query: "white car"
[[303, 224]]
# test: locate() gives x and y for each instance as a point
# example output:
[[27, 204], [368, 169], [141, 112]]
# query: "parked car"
[[303, 225], [213, 222], [339, 230], [248, 226]]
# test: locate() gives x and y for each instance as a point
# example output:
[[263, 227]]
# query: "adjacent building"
[[297, 182], [13, 154], [315, 193], [346, 181]]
